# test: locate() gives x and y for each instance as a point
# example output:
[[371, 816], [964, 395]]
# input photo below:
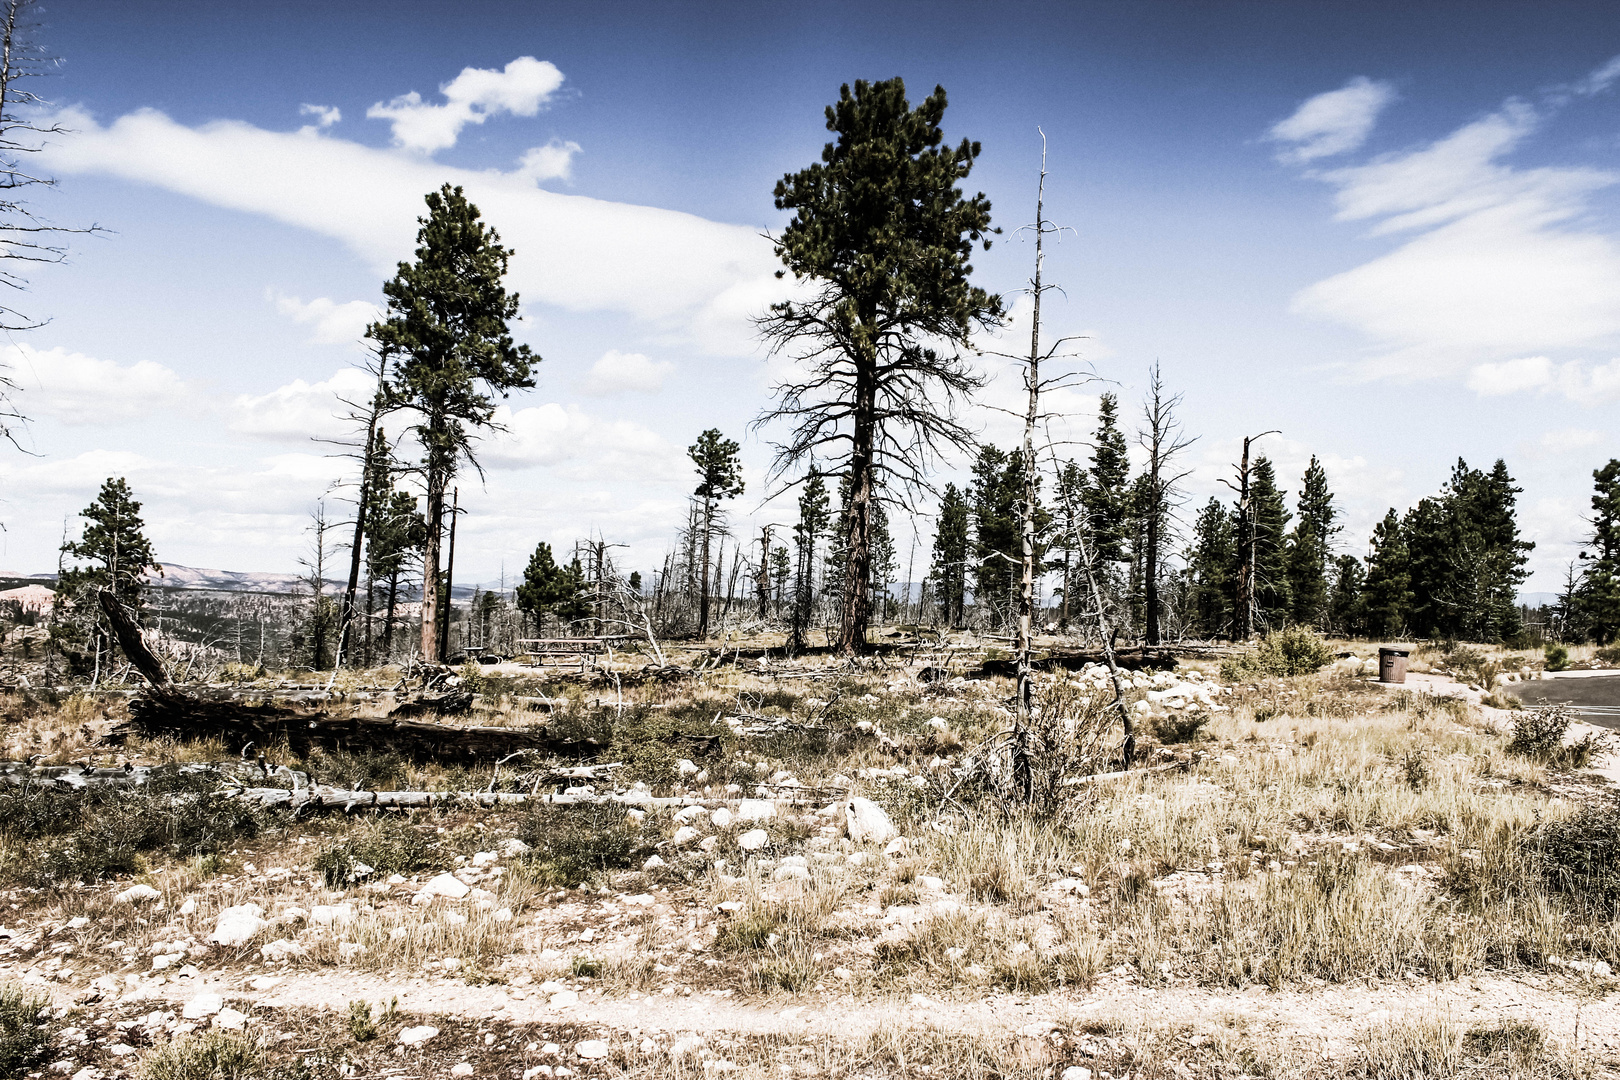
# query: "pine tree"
[[1387, 597], [447, 328], [1346, 602], [1271, 517], [719, 470], [118, 556], [550, 588], [1599, 594], [883, 234], [1467, 560], [993, 499], [885, 562], [1213, 559], [1310, 548], [950, 556], [1071, 488], [812, 522], [118, 551], [1107, 494]]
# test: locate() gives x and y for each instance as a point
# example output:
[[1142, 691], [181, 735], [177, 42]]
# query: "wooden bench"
[[559, 650]]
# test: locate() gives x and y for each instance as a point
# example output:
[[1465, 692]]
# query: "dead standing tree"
[[1163, 441], [883, 235], [1246, 539]]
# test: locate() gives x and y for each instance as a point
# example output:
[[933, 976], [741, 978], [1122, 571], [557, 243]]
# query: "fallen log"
[[165, 709]]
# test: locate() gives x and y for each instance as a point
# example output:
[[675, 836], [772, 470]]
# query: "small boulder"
[[230, 1020], [137, 894], [237, 925], [755, 810], [461, 1069], [867, 823], [721, 818], [753, 839], [416, 1036], [592, 1049], [202, 1006], [445, 885], [684, 835]]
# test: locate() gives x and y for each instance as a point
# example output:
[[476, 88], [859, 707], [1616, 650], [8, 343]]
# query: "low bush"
[[1580, 856], [55, 836], [1538, 734], [386, 847], [25, 1042], [1609, 654], [211, 1056], [569, 843], [1557, 657], [1295, 650]]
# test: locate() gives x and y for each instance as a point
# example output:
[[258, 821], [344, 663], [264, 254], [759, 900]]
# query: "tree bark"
[[858, 523], [430, 567], [703, 586]]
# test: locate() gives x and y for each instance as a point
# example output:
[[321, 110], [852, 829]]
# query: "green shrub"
[[387, 846], [25, 1042], [569, 842], [1580, 856], [1295, 650], [1557, 657], [1539, 734], [1609, 654], [62, 835], [362, 1028], [210, 1056]]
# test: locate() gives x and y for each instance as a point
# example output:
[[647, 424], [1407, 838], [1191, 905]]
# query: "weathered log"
[[167, 709]]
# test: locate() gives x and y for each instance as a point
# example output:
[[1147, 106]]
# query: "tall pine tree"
[[1598, 598], [1387, 597], [1271, 592], [1310, 549], [951, 556]]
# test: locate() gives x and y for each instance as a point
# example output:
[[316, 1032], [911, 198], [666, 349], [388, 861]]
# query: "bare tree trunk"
[[449, 576], [703, 586], [430, 567], [367, 469], [858, 522], [1244, 615], [764, 573]]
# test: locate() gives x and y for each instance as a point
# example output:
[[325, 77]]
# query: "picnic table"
[[583, 650]]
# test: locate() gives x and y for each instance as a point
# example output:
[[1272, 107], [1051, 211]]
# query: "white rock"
[[485, 858], [790, 873], [709, 843], [238, 924], [721, 818], [187, 908], [755, 810], [348, 950], [1077, 1072], [753, 839], [688, 814], [137, 894], [120, 1049], [639, 900], [866, 822], [285, 949], [461, 1069], [686, 768], [513, 847], [230, 1019], [564, 999], [939, 723], [591, 1049], [203, 1005], [263, 982], [683, 835], [653, 862], [1071, 886], [931, 884], [446, 885], [504, 915], [899, 847], [416, 1036], [329, 914]]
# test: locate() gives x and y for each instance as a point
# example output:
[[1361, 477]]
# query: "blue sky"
[[1388, 230]]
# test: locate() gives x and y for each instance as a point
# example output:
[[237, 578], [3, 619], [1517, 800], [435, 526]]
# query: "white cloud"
[[1580, 383], [334, 323], [1333, 123], [1501, 265], [77, 389], [1511, 376], [594, 449], [617, 372], [553, 161], [1569, 440], [472, 97], [1600, 79], [325, 115], [695, 281], [300, 410]]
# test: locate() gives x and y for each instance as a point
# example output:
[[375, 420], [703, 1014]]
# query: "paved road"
[[1596, 699]]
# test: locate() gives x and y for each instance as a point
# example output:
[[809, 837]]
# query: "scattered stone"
[[514, 847], [1077, 1072], [137, 894], [263, 982], [330, 914], [687, 768], [591, 1049], [445, 885], [285, 949], [790, 873], [653, 862], [237, 925], [752, 840], [416, 1036], [755, 810], [202, 1006], [462, 1069], [564, 999], [230, 1019], [120, 1049], [931, 884], [684, 835], [721, 818], [899, 847]]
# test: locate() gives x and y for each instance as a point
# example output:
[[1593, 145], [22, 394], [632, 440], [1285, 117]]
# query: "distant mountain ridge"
[[175, 576]]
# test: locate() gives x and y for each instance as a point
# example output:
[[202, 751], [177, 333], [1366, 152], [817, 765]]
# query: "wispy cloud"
[[325, 115], [1501, 261], [77, 390], [618, 372], [333, 323], [1332, 123], [522, 88], [1586, 384]]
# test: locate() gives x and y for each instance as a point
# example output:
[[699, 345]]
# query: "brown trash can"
[[1392, 665]]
